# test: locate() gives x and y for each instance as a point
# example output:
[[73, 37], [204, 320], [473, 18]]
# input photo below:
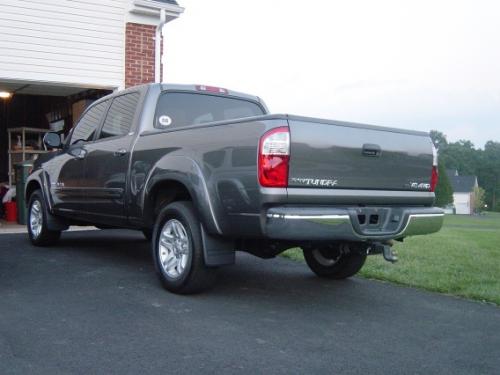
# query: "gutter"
[[164, 54], [152, 8]]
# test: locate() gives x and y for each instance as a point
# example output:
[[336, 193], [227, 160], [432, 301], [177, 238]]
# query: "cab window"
[[120, 116], [88, 124], [181, 109]]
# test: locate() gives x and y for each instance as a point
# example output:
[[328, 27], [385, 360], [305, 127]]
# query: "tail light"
[[274, 155], [434, 178], [434, 173]]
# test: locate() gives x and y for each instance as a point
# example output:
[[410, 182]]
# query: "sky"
[[411, 64]]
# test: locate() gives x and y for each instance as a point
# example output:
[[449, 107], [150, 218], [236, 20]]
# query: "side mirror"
[[52, 140]]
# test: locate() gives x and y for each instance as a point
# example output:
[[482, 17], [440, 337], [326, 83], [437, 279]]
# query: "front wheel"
[[38, 232], [178, 250], [338, 261]]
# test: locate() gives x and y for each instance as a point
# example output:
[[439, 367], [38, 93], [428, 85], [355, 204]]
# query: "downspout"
[[164, 54], [158, 54]]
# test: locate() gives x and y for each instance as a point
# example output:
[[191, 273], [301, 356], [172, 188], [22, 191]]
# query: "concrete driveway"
[[92, 305]]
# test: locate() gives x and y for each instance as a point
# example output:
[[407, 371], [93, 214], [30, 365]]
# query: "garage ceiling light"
[[5, 94]]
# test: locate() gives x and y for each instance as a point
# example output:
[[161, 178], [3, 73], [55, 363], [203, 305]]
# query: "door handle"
[[120, 152]]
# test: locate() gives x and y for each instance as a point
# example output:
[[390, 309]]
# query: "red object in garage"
[[10, 211]]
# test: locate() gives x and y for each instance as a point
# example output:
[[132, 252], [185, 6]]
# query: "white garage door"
[[462, 203]]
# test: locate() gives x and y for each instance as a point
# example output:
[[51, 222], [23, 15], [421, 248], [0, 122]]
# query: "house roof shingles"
[[461, 184]]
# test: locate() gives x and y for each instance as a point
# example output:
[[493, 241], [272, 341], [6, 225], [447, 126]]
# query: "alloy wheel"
[[173, 248], [36, 218]]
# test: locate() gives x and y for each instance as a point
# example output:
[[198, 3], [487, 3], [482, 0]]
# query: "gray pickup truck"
[[204, 172]]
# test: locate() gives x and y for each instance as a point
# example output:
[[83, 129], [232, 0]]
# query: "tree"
[[490, 173], [478, 199], [444, 192], [461, 156], [439, 140]]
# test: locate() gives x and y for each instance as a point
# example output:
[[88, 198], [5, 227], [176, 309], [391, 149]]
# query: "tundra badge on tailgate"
[[315, 181], [419, 186]]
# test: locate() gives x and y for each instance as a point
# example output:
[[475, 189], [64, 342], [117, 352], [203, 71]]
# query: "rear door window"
[[120, 116], [88, 124], [181, 109]]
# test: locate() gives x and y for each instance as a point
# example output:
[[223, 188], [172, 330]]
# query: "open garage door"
[[29, 109]]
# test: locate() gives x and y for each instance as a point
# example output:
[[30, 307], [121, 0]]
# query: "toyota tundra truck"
[[204, 172]]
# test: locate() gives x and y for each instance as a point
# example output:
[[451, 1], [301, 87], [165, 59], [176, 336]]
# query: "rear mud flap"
[[217, 251]]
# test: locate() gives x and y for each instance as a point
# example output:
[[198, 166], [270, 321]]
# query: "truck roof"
[[196, 88]]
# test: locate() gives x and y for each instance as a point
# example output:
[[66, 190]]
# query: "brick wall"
[[139, 54]]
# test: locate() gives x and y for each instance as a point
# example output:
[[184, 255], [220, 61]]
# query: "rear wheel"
[[338, 261], [178, 250], [38, 232]]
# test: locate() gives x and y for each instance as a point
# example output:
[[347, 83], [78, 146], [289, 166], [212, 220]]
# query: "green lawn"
[[462, 259]]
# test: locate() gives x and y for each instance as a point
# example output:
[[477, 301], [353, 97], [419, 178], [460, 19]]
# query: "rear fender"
[[218, 251], [186, 171]]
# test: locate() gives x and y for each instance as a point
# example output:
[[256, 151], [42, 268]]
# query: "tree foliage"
[[444, 191], [478, 199], [439, 139], [461, 156], [489, 173]]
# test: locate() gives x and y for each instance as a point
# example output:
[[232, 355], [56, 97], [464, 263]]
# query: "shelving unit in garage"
[[24, 144]]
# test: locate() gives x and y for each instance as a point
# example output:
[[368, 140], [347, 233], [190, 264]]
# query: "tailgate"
[[338, 155]]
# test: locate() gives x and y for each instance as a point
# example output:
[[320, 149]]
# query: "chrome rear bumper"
[[353, 224]]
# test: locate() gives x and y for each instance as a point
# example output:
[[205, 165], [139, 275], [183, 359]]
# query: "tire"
[[338, 261], [148, 234], [180, 265], [36, 222]]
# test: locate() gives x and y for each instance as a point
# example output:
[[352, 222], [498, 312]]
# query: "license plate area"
[[376, 220]]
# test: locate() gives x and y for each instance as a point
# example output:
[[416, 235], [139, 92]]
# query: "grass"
[[463, 259]]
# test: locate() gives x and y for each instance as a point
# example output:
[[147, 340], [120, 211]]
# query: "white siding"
[[77, 42], [462, 203]]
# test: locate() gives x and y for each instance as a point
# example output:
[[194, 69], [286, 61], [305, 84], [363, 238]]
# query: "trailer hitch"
[[384, 248]]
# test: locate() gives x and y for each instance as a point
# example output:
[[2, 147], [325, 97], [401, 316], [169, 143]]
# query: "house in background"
[[57, 56], [463, 192]]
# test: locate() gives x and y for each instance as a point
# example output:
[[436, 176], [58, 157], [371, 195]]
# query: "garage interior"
[[27, 111]]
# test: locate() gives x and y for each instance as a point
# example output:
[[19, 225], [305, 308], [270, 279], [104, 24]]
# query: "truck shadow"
[[122, 243], [276, 279]]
